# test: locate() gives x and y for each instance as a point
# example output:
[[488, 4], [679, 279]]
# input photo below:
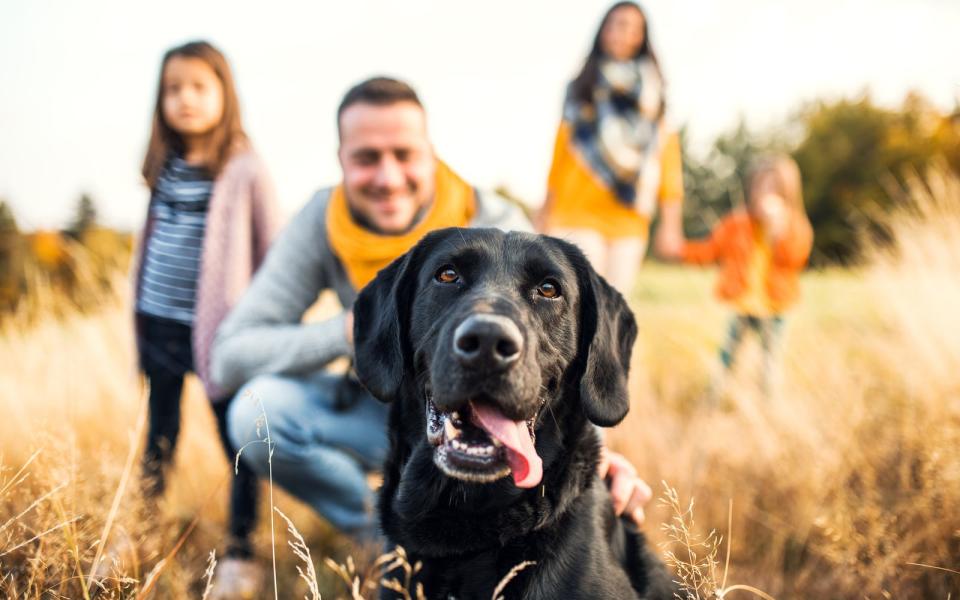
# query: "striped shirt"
[[171, 266]]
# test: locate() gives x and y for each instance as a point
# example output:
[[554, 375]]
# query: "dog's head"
[[479, 334]]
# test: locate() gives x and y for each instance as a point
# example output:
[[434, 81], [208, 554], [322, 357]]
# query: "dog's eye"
[[447, 274], [549, 288]]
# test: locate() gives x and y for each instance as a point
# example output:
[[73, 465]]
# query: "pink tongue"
[[522, 457]]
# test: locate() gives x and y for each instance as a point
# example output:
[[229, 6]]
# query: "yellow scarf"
[[363, 253]]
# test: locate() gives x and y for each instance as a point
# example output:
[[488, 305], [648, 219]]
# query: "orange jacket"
[[730, 244]]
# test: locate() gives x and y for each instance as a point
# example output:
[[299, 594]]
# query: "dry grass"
[[844, 485], [852, 472]]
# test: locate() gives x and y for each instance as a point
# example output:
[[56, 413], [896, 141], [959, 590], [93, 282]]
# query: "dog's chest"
[[473, 579]]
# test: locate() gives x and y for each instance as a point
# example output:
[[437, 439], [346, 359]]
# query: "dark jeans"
[[166, 356], [769, 330]]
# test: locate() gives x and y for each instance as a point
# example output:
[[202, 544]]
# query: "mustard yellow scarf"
[[363, 253]]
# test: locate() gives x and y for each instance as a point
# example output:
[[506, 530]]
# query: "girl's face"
[[192, 96], [622, 34], [766, 196]]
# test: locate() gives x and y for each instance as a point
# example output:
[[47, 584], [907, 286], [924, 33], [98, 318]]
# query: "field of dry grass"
[[845, 484]]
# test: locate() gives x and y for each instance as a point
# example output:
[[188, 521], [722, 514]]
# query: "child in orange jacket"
[[760, 252]]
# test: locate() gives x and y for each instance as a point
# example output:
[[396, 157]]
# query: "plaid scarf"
[[618, 134]]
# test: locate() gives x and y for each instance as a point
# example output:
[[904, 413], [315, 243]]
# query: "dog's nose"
[[487, 341]]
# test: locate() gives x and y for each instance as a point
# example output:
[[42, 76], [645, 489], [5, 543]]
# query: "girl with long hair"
[[211, 218]]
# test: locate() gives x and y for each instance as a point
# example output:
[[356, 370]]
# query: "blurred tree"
[[11, 259], [44, 271], [713, 184], [84, 217], [853, 156], [8, 223], [947, 137]]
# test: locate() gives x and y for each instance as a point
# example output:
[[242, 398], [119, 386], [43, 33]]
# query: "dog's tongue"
[[522, 457]]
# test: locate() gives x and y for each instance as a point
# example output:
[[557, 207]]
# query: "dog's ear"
[[608, 331], [380, 315]]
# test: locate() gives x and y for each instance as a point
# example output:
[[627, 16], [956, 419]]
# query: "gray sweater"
[[264, 334]]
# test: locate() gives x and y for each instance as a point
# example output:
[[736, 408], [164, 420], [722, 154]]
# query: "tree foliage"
[[853, 155], [84, 217]]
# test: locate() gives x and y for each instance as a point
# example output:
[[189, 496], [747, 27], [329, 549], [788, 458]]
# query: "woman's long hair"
[[583, 84], [226, 138]]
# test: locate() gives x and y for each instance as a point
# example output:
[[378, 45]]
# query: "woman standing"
[[614, 160]]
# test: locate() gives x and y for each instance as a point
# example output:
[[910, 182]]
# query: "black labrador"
[[500, 352]]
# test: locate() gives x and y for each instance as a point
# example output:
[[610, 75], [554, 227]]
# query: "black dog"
[[498, 351]]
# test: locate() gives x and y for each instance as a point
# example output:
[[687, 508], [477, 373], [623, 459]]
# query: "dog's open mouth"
[[479, 444]]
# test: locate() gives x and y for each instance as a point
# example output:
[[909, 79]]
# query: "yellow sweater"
[[577, 199]]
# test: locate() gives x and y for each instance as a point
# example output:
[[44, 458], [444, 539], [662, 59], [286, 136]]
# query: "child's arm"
[[792, 249], [705, 251]]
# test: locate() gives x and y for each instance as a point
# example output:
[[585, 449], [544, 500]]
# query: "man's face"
[[388, 163]]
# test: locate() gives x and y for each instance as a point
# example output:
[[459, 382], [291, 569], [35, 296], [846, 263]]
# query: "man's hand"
[[348, 325], [630, 493]]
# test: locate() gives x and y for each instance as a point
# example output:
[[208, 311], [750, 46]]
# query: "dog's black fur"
[[571, 372]]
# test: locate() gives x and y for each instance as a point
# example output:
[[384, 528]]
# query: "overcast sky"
[[78, 79]]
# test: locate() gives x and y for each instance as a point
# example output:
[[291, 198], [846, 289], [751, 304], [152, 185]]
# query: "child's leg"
[[166, 358], [728, 353], [244, 491], [771, 332]]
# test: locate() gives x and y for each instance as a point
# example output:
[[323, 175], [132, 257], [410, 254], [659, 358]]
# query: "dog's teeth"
[[496, 442], [450, 429]]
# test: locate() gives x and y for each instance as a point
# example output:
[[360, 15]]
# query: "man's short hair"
[[380, 91]]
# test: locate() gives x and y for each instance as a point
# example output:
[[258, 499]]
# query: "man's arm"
[[263, 333]]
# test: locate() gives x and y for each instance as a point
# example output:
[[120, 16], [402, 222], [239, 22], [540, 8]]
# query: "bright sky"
[[78, 79]]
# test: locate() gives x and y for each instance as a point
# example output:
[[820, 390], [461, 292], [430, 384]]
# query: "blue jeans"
[[322, 448], [769, 330]]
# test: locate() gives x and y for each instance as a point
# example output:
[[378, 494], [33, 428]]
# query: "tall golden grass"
[[849, 478], [844, 484]]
